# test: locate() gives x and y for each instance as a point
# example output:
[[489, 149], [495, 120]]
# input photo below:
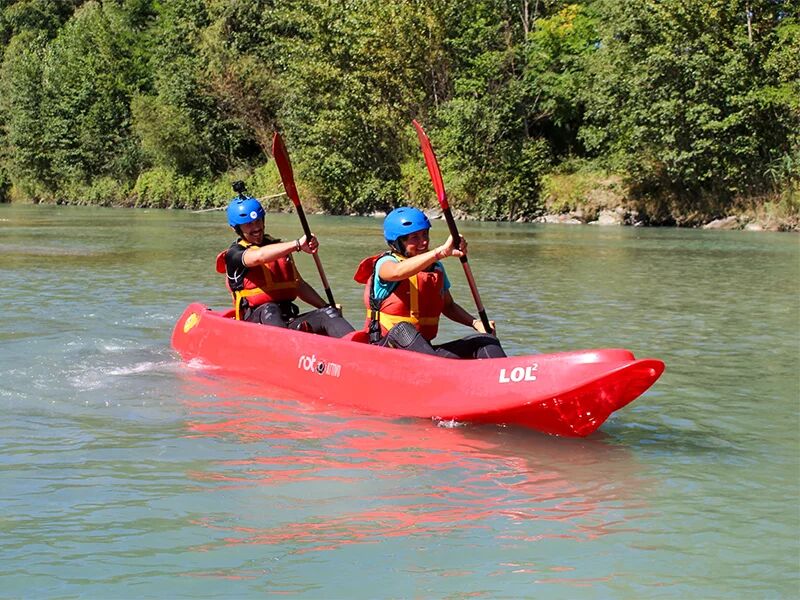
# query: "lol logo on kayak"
[[518, 374], [312, 363]]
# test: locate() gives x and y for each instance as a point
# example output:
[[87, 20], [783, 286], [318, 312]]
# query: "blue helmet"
[[403, 221], [244, 210]]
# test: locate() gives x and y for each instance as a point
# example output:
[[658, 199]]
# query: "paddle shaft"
[[304, 222], [441, 196], [451, 224], [287, 177]]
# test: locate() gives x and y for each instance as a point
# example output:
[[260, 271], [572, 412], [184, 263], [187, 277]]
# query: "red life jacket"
[[276, 281], [418, 299]]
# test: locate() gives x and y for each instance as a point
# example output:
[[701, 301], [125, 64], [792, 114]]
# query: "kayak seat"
[[356, 336]]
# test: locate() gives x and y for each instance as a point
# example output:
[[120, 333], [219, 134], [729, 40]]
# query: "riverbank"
[[582, 197], [763, 217], [599, 198]]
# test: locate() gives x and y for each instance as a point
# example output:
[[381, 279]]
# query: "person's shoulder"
[[235, 248], [386, 256], [234, 254], [382, 259]]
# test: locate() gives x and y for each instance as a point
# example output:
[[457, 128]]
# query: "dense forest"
[[682, 111]]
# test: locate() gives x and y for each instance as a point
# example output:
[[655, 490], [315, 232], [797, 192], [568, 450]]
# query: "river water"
[[126, 474]]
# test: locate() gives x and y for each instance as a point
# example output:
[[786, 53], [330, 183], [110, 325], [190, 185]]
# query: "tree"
[[196, 84], [24, 156], [41, 16], [350, 79], [503, 105], [89, 74], [674, 99]]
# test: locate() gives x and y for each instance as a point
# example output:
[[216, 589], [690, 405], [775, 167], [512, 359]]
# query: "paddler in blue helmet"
[[263, 279], [407, 290]]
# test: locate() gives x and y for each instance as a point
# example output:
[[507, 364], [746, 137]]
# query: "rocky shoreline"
[[621, 216], [747, 220], [624, 217]]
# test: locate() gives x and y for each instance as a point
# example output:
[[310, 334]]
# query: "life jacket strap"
[[374, 312]]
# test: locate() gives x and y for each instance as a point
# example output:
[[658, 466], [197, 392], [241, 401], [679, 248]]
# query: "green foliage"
[[88, 76], [515, 104], [555, 54], [164, 188], [25, 157], [415, 183], [192, 89], [167, 135], [102, 191], [498, 175], [347, 94], [160, 103], [265, 184], [5, 184], [679, 99], [41, 16], [581, 185], [782, 66]]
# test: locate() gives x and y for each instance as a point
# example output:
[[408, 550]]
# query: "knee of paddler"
[[331, 312], [403, 335]]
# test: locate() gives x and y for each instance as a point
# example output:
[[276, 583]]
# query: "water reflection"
[[335, 478]]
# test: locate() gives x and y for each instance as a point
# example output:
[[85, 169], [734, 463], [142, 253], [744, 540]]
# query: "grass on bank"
[[581, 190]]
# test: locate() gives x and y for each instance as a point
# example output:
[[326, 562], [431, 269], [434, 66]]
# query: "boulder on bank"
[[564, 219], [610, 217], [434, 213], [725, 223]]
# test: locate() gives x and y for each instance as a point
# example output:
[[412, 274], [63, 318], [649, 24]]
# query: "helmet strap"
[[398, 246]]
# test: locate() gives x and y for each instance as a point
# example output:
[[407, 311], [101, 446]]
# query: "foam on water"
[[94, 378], [448, 423]]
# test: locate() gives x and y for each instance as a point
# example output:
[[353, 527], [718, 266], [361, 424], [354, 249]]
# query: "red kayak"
[[567, 393]]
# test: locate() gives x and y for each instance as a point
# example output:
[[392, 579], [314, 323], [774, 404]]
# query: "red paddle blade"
[[281, 157], [433, 166]]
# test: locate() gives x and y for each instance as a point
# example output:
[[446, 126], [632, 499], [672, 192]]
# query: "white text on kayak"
[[319, 366], [518, 374]]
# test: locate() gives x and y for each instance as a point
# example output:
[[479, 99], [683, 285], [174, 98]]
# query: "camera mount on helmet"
[[239, 187]]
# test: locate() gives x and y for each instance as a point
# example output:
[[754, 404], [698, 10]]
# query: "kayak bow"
[[567, 393]]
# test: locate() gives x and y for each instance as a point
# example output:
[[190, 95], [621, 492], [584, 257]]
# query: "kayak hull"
[[567, 393]]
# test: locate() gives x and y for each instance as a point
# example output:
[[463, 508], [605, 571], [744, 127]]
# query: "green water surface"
[[127, 474]]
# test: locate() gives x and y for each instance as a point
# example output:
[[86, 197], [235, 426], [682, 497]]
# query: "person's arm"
[[309, 295], [398, 271], [266, 254], [455, 312]]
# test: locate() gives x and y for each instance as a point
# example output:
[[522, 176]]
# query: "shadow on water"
[[375, 477]]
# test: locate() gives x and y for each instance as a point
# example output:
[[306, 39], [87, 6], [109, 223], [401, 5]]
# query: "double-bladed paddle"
[[287, 176], [441, 195]]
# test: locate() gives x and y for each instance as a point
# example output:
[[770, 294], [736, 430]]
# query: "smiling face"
[[253, 232], [415, 243]]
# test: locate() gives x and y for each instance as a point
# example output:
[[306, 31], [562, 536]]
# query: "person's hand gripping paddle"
[[441, 195], [287, 176]]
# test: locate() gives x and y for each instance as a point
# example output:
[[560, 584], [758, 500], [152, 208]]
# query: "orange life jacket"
[[418, 299], [276, 281]]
